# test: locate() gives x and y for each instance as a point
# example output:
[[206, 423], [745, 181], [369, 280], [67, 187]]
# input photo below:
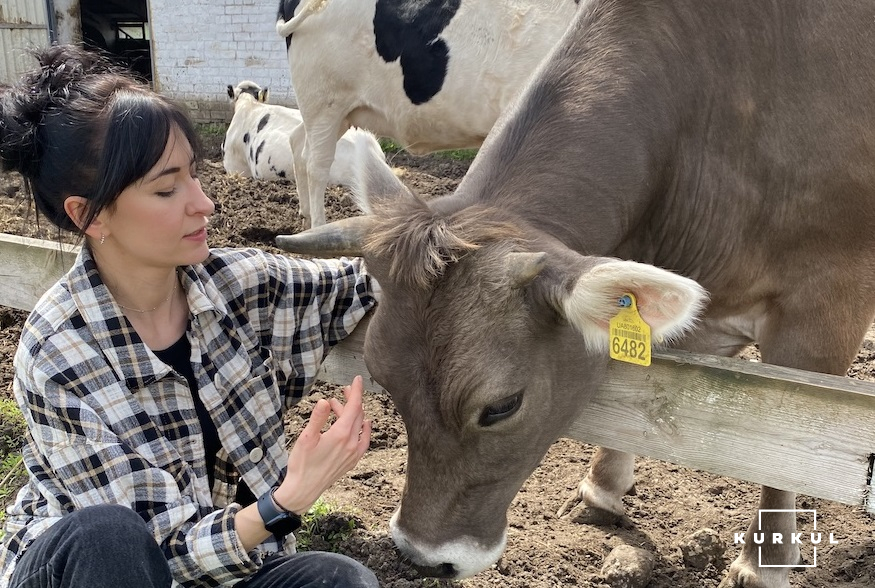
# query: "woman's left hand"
[[318, 459]]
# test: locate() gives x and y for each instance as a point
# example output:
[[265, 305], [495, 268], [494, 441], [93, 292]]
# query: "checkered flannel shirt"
[[110, 423]]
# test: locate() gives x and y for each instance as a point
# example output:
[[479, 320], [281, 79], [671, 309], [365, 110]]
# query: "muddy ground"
[[543, 551]]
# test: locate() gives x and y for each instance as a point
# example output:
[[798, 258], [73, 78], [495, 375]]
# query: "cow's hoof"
[[568, 506], [607, 499], [577, 511], [573, 504], [741, 575], [741, 581], [597, 517]]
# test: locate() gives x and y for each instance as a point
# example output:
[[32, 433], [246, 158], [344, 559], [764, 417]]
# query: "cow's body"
[[730, 142], [430, 75], [257, 143]]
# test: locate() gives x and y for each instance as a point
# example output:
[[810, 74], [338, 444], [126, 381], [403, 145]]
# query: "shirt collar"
[[123, 348]]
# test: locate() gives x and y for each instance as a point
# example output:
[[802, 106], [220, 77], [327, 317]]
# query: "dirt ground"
[[543, 551]]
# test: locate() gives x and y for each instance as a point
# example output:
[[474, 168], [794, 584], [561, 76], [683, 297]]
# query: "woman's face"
[[161, 219]]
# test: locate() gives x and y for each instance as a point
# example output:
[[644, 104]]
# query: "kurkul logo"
[[813, 538]]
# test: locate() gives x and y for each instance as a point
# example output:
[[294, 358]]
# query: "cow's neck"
[[577, 160]]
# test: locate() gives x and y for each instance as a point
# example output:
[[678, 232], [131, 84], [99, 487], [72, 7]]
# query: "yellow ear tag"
[[630, 335]]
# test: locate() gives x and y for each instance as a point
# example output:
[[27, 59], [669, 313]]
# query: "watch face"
[[278, 522], [284, 524]]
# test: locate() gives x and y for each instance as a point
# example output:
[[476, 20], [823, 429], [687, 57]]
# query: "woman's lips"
[[199, 234]]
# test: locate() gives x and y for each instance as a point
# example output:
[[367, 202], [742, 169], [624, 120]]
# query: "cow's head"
[[489, 337], [247, 87]]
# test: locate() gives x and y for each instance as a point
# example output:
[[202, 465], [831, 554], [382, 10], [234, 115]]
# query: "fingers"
[[318, 459], [351, 427], [318, 419], [336, 406], [357, 387], [350, 422], [364, 440], [351, 393]]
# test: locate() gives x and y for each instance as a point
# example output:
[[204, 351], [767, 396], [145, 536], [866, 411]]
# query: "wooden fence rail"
[[790, 429]]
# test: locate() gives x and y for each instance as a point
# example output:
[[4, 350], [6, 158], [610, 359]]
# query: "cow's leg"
[[824, 339], [298, 143], [611, 473], [321, 145], [611, 476], [745, 571]]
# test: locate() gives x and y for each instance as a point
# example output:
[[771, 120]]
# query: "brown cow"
[[730, 142]]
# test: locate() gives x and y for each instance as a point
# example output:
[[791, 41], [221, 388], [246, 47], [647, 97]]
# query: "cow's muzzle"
[[443, 571]]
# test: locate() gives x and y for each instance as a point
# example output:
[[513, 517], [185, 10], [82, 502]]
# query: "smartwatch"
[[277, 520]]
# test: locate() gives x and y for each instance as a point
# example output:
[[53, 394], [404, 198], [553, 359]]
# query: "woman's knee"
[[312, 568], [349, 572], [98, 546], [106, 525]]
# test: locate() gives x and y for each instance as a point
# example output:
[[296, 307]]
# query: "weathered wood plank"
[[28, 267], [790, 429]]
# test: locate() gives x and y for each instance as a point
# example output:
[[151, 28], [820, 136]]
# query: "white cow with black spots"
[[257, 144], [430, 75]]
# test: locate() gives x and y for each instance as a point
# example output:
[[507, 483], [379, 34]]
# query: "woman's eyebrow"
[[169, 171]]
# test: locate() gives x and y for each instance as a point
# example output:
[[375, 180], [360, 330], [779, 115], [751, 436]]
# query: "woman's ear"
[[76, 208]]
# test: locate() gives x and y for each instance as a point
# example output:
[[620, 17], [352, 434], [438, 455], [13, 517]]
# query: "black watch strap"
[[278, 521]]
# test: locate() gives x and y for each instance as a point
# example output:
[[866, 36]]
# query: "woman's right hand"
[[318, 459]]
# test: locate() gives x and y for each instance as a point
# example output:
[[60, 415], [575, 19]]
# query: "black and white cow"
[[257, 144], [430, 75], [730, 142]]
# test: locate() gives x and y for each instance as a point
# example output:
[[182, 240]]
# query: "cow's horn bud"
[[343, 237], [523, 267]]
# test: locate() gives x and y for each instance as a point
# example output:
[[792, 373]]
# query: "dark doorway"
[[121, 28]]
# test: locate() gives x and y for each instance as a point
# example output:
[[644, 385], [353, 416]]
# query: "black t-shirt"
[[178, 357]]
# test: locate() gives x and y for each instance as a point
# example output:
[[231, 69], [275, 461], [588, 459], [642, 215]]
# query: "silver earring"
[[102, 238]]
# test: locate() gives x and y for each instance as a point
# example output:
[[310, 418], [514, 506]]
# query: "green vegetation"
[[12, 427], [12, 476], [212, 129], [458, 154], [12, 431], [390, 146], [323, 528]]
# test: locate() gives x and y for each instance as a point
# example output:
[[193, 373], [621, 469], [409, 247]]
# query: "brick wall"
[[201, 46]]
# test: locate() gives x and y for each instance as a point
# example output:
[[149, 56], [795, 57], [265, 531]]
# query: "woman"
[[154, 375]]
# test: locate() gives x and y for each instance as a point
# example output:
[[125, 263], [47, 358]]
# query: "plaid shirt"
[[110, 423]]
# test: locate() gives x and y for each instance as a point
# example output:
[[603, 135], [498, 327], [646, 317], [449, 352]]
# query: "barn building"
[[189, 50]]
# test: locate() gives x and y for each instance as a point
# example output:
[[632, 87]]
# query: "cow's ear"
[[263, 94], [668, 303], [230, 91]]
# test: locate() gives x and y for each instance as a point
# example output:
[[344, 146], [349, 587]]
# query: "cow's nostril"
[[444, 570]]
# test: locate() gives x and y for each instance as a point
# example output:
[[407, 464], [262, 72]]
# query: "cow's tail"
[[284, 28], [373, 178]]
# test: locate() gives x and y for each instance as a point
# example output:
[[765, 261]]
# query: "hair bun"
[[38, 94]]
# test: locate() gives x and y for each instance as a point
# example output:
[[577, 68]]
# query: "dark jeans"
[[110, 547]]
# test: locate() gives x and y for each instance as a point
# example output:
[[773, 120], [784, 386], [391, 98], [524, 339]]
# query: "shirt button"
[[256, 454]]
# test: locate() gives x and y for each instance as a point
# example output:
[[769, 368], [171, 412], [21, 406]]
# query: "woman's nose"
[[202, 204]]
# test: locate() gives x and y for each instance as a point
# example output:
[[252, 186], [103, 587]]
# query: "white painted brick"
[[204, 45]]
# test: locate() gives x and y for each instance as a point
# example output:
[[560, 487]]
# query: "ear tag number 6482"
[[630, 335]]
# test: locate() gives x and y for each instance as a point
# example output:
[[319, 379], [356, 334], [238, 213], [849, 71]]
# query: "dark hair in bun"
[[79, 125]]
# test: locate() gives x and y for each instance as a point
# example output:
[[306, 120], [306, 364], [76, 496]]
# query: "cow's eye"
[[498, 411]]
